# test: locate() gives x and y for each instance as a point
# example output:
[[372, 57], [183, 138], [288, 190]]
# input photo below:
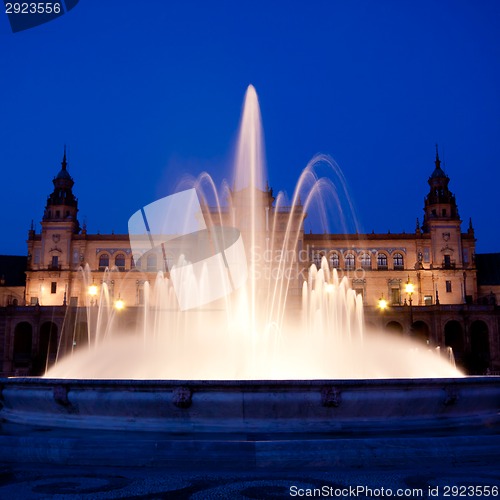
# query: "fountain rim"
[[414, 382]]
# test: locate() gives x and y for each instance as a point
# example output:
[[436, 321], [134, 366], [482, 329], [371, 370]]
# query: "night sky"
[[144, 91]]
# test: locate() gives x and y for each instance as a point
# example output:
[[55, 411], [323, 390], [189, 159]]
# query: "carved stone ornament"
[[181, 397], [330, 397]]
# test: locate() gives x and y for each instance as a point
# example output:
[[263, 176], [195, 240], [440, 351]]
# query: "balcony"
[[448, 264]]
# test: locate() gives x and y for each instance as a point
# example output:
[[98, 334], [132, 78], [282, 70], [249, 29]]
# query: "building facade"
[[429, 278]]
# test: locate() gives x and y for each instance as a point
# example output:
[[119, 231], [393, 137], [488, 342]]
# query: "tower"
[[442, 221], [62, 206], [50, 253], [60, 221]]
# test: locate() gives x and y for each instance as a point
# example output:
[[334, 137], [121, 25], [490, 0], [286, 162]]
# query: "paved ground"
[[64, 482]]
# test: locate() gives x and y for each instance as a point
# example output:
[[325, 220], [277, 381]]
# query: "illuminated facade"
[[447, 304]]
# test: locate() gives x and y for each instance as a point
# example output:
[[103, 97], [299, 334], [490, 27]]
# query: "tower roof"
[[438, 171], [62, 204], [63, 173]]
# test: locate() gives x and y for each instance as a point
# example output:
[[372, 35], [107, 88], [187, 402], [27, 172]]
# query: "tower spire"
[[437, 161], [64, 163]]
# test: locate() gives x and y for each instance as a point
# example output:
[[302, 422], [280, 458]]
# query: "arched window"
[[454, 338], [47, 348], [334, 260], [135, 261], [152, 263], [81, 335], [317, 259], [382, 261], [394, 327], [398, 261], [349, 260], [169, 261], [120, 261], [366, 261], [103, 261], [23, 334], [480, 348], [420, 332]]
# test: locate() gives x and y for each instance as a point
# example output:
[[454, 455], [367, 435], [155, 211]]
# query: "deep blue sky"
[[143, 91]]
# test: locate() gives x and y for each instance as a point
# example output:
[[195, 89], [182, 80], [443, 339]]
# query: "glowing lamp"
[[119, 304]]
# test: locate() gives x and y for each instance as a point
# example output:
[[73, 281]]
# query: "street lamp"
[[382, 303], [92, 291], [119, 304], [410, 288]]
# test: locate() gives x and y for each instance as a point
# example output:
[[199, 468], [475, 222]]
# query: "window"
[[466, 255], [37, 256], [169, 261], [34, 301], [103, 261], [53, 287], [151, 263], [366, 261], [135, 261], [55, 262], [448, 286], [120, 262], [334, 260], [76, 256], [398, 261], [395, 296], [317, 259], [382, 261], [427, 300], [444, 212], [349, 261], [427, 254]]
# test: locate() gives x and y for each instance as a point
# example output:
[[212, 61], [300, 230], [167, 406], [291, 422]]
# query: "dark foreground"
[[19, 481]]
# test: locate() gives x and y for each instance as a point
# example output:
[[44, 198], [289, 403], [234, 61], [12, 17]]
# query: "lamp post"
[[410, 288], [382, 303], [119, 304], [92, 291]]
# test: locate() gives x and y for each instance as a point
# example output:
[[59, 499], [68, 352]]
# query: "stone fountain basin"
[[251, 425], [314, 407]]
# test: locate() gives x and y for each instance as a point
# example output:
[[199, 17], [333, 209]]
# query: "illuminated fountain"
[[260, 330], [274, 356]]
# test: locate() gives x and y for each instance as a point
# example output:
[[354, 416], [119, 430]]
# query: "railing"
[[450, 264]]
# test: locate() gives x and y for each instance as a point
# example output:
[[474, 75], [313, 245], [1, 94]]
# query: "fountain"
[[232, 349]]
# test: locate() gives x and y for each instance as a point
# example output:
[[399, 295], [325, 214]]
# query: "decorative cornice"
[[112, 251], [360, 251]]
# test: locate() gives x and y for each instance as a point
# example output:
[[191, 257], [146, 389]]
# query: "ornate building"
[[429, 278]]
